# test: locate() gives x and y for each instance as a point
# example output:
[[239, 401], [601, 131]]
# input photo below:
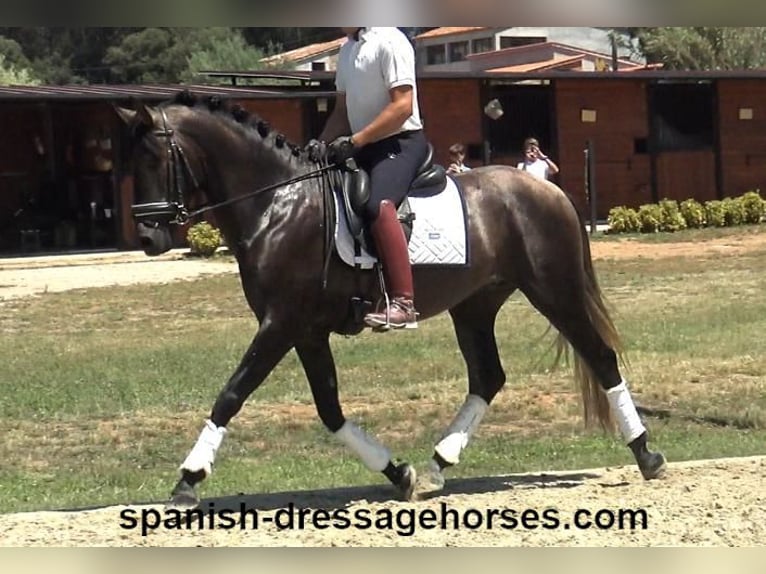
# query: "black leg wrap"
[[393, 473], [193, 478], [403, 477], [441, 462], [651, 464]]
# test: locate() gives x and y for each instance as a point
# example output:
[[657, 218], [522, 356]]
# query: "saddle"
[[353, 184]]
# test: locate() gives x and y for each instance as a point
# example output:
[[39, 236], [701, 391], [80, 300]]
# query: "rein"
[[284, 183]]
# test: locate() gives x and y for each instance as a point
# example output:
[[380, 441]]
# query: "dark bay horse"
[[523, 233]]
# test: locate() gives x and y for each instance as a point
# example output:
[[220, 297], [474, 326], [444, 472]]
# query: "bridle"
[[177, 172], [179, 177]]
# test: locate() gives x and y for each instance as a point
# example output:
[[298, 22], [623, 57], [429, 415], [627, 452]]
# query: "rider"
[[377, 105]]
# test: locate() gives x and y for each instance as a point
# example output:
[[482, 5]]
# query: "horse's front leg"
[[316, 356], [269, 346]]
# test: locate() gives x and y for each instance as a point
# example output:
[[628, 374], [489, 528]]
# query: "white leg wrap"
[[624, 412], [202, 455], [458, 433], [373, 454]]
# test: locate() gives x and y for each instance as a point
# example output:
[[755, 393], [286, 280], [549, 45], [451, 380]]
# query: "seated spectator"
[[457, 156]]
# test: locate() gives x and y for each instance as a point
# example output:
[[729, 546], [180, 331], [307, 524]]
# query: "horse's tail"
[[595, 404]]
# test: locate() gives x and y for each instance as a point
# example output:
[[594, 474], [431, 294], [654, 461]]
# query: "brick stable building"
[[65, 181]]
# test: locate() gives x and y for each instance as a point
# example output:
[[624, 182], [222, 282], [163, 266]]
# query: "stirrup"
[[387, 326]]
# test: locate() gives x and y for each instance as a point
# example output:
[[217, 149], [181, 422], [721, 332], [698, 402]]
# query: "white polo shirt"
[[538, 168], [382, 59]]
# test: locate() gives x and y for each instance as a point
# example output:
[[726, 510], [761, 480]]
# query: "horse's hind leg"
[[474, 322], [571, 301], [316, 356]]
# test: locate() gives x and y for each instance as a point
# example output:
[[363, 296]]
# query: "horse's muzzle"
[[154, 239]]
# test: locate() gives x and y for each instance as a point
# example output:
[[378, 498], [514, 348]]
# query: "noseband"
[[178, 174]]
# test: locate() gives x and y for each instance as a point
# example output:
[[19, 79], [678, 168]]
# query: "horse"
[[271, 205]]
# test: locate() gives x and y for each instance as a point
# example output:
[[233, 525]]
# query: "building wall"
[[451, 112], [329, 61], [422, 46], [284, 115], [587, 38], [623, 175], [684, 174], [584, 38], [742, 141]]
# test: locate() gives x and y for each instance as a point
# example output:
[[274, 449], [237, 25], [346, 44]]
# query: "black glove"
[[316, 150], [340, 150]]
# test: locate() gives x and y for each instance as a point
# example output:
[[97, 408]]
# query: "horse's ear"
[[144, 116], [126, 115], [141, 116]]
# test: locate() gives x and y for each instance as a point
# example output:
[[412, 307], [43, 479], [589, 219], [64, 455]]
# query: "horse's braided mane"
[[238, 113]]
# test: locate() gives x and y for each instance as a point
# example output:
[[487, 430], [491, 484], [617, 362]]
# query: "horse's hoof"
[[408, 481], [183, 497], [429, 483], [653, 465], [182, 502]]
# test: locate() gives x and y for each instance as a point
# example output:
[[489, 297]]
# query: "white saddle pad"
[[439, 231]]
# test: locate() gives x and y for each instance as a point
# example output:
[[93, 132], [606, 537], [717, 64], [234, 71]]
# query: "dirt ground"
[[631, 249], [704, 503], [34, 276]]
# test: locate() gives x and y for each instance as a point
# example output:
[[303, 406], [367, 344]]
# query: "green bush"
[[203, 239], [693, 213], [650, 216], [714, 213], [733, 211], [670, 216], [753, 206], [623, 220]]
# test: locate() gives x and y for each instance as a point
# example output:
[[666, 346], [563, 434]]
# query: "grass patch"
[[684, 235]]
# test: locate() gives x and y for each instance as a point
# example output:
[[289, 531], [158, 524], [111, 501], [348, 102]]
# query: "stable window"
[[528, 112], [458, 51], [482, 45], [682, 116], [435, 55], [516, 41]]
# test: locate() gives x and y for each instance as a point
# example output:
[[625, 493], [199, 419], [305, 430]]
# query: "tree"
[[66, 55], [704, 48], [171, 55], [63, 55], [145, 57], [10, 75], [229, 51], [13, 53], [274, 40]]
